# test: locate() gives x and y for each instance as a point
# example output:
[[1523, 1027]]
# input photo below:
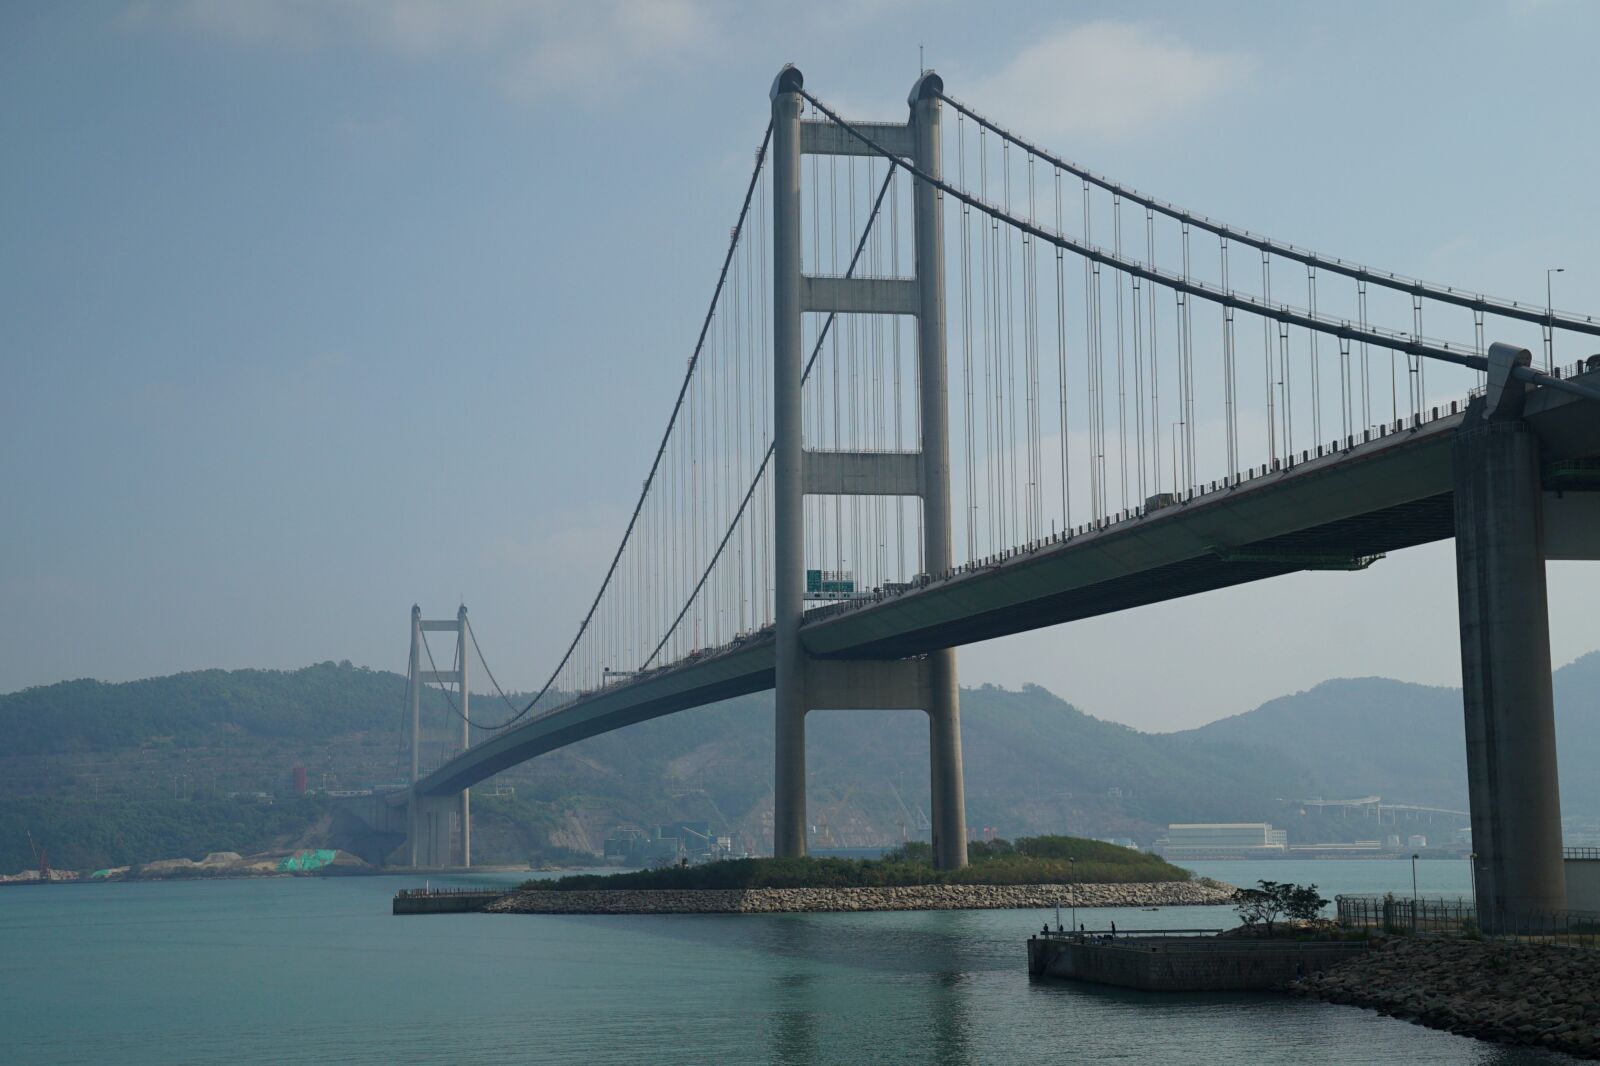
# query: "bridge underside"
[[722, 676], [1357, 538], [1330, 512], [1391, 493]]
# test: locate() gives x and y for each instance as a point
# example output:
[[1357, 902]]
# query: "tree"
[[1270, 900], [1304, 903]]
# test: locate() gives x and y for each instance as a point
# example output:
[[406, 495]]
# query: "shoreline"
[[1530, 995], [1200, 892]]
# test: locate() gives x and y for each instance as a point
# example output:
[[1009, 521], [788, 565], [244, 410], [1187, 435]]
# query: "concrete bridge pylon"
[[439, 828], [804, 683], [1501, 515]]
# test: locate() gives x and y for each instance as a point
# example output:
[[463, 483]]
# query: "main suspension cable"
[[1289, 316], [672, 421], [503, 697], [1388, 279], [766, 461]]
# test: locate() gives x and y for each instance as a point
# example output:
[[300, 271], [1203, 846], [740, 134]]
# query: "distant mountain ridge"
[[1406, 742], [1034, 763]]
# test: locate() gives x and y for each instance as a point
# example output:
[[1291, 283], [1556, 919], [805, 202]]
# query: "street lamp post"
[[1413, 890], [1072, 868], [1549, 319], [1472, 869]]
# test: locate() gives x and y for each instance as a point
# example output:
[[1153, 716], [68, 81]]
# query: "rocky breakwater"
[[36, 877], [1510, 993], [898, 898]]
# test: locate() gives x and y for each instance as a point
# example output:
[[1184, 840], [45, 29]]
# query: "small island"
[[1033, 872]]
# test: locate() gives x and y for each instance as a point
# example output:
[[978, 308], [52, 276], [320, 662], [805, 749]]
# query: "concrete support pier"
[[789, 781], [432, 821], [1505, 655], [948, 796]]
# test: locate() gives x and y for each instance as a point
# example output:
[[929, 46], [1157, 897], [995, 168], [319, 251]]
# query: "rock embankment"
[[903, 898], [29, 877], [1509, 993]]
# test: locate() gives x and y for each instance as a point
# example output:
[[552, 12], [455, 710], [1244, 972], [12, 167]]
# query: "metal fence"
[[1580, 853], [1406, 916], [433, 893], [1120, 934]]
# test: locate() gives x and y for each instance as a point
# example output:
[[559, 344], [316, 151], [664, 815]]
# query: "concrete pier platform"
[[443, 900], [1184, 963]]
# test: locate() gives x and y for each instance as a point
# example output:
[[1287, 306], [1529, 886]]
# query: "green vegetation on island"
[[1041, 860]]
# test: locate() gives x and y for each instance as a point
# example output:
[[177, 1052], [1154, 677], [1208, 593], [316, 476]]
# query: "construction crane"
[[727, 826], [41, 857], [825, 819], [918, 821]]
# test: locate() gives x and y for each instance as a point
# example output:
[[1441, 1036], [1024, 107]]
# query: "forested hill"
[[194, 708], [1034, 763]]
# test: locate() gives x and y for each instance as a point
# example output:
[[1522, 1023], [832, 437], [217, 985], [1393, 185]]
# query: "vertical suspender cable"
[[1316, 369], [1122, 391], [971, 510], [1009, 416], [1418, 395], [1155, 361], [1344, 371], [852, 390], [1091, 299], [1366, 374], [991, 435], [1188, 359], [1285, 383], [1138, 388], [819, 391], [1266, 356], [1229, 411], [764, 390], [833, 343], [1061, 371], [895, 356], [1001, 459], [1477, 335], [718, 432], [1180, 457], [1184, 370], [1031, 335]]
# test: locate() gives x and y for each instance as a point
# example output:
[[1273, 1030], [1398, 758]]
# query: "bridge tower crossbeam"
[[804, 683]]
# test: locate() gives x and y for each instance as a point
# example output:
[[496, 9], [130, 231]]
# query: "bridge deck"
[[1389, 493]]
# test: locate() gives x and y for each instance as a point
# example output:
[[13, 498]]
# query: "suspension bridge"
[[952, 386]]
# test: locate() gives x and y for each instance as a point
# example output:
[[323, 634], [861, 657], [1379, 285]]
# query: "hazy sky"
[[310, 310]]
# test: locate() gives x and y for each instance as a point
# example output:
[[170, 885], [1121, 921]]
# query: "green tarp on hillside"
[[302, 861]]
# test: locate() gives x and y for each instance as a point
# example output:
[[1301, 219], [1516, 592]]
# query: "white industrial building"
[[1222, 840]]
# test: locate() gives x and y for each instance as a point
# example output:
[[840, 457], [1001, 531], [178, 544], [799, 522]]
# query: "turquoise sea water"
[[296, 970]]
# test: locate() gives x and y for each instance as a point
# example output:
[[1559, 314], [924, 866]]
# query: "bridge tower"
[[1506, 526], [436, 823], [804, 683]]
